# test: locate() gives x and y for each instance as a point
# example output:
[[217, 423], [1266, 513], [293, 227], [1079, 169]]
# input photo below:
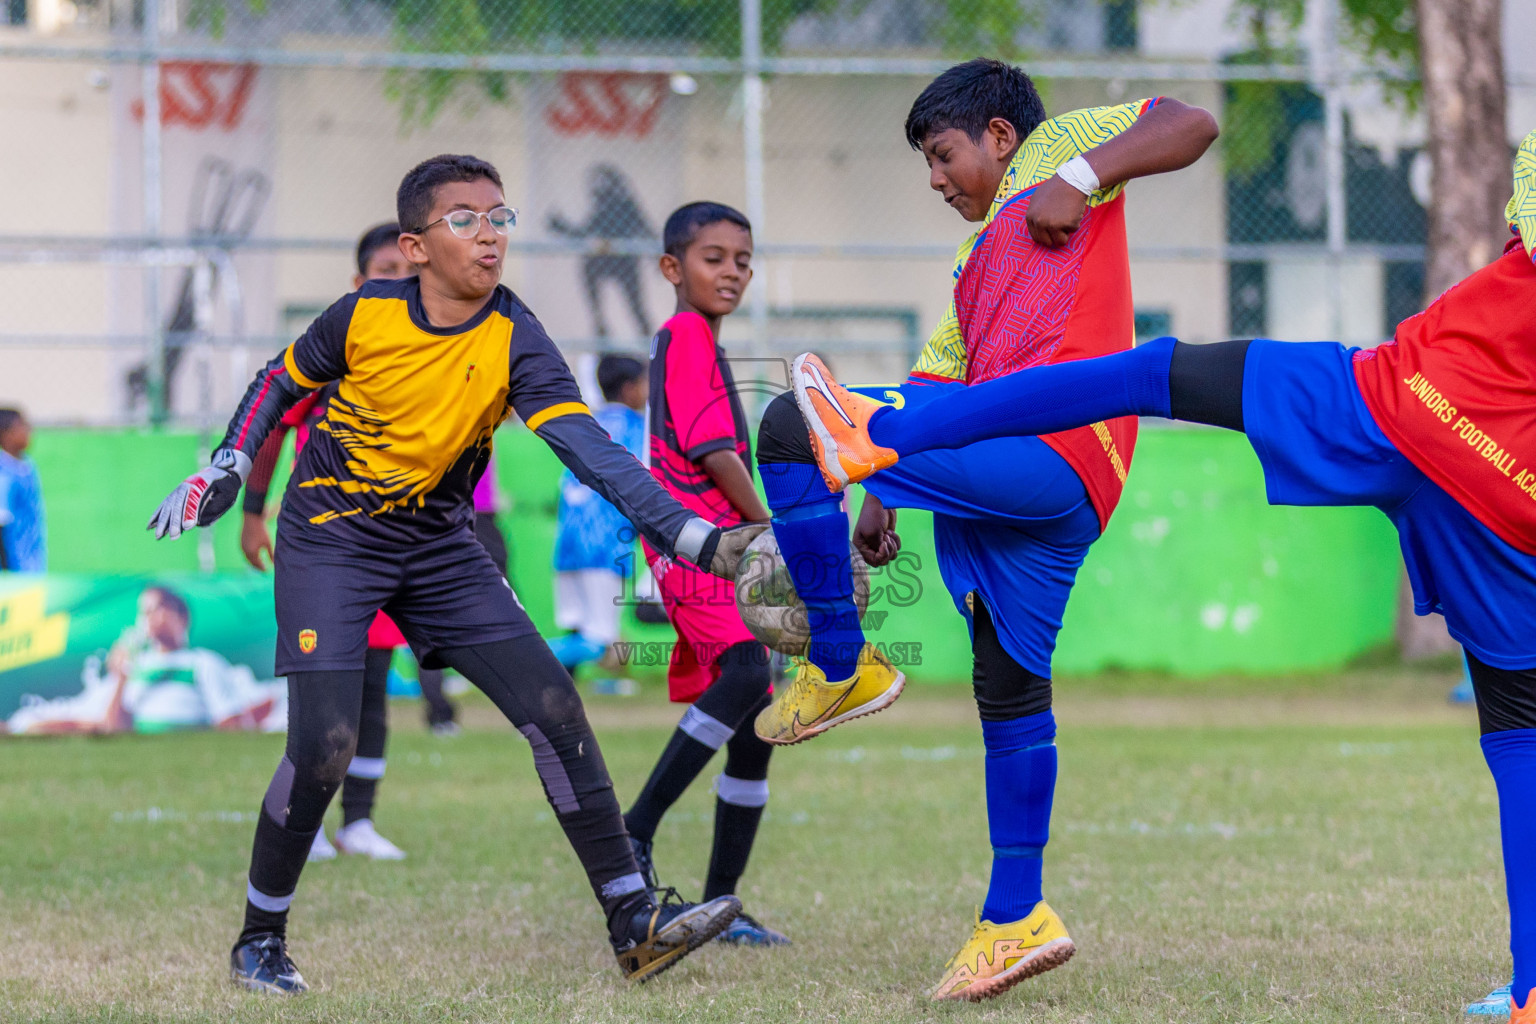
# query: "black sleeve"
[[319, 356], [606, 466], [544, 394], [540, 383]]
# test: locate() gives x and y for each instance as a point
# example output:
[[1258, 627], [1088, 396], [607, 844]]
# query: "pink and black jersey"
[[695, 410]]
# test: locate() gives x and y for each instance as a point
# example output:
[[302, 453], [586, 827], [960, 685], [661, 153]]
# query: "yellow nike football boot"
[[839, 423], [810, 705], [999, 956]]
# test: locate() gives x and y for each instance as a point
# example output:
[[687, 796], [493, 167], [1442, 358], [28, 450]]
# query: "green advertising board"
[[1196, 573], [58, 631]]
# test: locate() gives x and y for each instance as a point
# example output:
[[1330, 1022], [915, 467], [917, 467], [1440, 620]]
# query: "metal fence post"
[[153, 219], [1331, 81], [752, 140]]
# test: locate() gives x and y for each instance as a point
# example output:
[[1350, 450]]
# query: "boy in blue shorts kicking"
[[1045, 278], [1437, 428]]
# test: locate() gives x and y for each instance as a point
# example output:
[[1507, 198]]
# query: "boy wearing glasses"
[[377, 516]]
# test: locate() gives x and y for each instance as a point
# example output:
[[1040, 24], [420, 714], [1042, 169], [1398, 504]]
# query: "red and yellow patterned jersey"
[[1018, 304]]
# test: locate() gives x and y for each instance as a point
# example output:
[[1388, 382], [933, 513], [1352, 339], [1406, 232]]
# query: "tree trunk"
[[1461, 63]]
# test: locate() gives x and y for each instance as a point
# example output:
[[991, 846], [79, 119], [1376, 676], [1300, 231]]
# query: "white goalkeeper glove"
[[202, 497]]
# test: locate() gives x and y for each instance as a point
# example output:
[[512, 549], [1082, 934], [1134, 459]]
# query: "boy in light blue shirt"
[[23, 533]]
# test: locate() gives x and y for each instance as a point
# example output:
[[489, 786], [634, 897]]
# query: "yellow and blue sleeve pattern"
[[1521, 211], [1049, 146]]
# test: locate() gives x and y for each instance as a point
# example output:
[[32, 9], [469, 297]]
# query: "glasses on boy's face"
[[466, 223]]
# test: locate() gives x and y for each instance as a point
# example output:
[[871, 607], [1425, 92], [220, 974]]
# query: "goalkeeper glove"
[[202, 497], [721, 553]]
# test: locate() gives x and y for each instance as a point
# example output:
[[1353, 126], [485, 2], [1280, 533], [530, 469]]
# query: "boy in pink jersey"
[[700, 453]]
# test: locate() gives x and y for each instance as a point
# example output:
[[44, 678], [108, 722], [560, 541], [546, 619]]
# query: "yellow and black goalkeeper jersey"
[[396, 455]]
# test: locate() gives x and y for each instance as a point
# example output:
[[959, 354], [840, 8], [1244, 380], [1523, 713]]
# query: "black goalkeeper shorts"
[[443, 592]]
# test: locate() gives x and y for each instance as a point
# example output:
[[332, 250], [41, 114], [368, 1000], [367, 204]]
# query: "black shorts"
[[444, 592]]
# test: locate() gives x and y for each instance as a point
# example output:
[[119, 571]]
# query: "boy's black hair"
[[688, 220], [614, 371], [9, 418], [172, 601], [413, 203], [970, 95], [380, 236]]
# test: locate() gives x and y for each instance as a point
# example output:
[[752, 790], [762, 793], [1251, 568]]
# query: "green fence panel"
[[1196, 573]]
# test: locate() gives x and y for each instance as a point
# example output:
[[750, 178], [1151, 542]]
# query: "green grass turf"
[[1311, 850]]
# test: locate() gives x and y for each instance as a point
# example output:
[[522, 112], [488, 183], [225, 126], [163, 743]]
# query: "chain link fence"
[[192, 175]]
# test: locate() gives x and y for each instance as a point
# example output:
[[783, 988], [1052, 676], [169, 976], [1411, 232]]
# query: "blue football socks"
[[1021, 784], [1511, 756], [812, 532], [1039, 400]]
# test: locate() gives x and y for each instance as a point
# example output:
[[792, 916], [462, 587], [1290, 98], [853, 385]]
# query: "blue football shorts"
[[1319, 445], [1012, 522]]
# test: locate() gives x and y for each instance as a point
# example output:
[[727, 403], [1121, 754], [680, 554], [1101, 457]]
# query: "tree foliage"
[[697, 27], [553, 27], [1384, 32], [706, 28]]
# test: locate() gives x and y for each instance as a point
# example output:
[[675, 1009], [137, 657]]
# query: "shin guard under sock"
[[1021, 784], [1039, 400], [738, 811], [277, 859], [812, 531], [1511, 757], [693, 743], [361, 788]]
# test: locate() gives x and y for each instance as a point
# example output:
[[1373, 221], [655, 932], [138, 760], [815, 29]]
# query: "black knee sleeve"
[[1205, 383], [323, 756], [782, 435], [743, 683], [373, 723], [528, 685], [1004, 689], [1506, 698], [746, 753], [323, 712]]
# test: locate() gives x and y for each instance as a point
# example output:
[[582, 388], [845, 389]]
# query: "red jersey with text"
[[1455, 392]]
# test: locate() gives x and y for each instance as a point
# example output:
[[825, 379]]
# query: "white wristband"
[[691, 538], [1078, 173]]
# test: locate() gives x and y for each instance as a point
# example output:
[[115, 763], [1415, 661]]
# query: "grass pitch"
[[1322, 849]]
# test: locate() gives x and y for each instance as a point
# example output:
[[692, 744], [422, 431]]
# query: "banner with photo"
[[102, 654]]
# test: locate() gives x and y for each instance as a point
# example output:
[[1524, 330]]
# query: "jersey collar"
[[1521, 211], [419, 314]]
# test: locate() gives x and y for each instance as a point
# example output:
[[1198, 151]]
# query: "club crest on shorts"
[[307, 640]]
